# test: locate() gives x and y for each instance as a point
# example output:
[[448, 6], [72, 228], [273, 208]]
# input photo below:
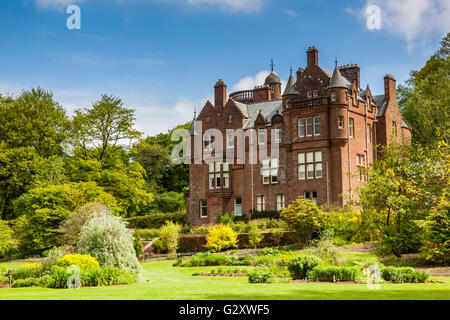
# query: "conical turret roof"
[[338, 80], [290, 86]]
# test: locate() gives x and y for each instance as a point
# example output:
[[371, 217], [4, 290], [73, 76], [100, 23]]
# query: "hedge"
[[156, 220], [332, 273]]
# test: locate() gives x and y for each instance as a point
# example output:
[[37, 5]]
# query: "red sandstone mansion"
[[326, 127]]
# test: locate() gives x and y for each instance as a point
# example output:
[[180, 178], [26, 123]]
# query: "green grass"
[[169, 283]]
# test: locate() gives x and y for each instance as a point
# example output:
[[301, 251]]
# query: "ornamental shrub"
[[403, 275], [304, 217], [170, 236], [54, 254], [138, 247], [24, 273], [325, 249], [209, 259], [107, 239], [80, 260], [27, 282], [71, 227], [261, 276], [436, 246], [221, 237], [332, 273], [254, 236], [106, 276], [225, 218], [299, 267]]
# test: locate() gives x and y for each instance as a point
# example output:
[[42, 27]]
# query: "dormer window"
[[309, 94], [315, 94], [230, 118]]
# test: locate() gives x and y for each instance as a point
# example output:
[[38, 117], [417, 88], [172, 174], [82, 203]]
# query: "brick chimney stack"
[[220, 94], [390, 88], [313, 56]]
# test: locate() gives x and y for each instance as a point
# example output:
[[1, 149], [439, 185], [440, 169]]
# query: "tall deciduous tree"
[[35, 120], [425, 100], [104, 128]]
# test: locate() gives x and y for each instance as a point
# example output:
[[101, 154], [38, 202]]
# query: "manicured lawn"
[[169, 283]]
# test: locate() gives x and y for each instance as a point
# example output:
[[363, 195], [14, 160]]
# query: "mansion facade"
[[326, 128]]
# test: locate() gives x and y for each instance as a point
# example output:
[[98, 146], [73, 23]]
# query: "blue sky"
[[162, 57]]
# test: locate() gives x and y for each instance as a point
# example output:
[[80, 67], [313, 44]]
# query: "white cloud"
[[56, 4], [249, 82], [231, 5], [413, 20]]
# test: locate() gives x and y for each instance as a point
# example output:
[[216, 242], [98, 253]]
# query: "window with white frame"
[[309, 94], [311, 195], [310, 165], [351, 127], [281, 202], [261, 136], [315, 93], [317, 126], [278, 133], [219, 172], [301, 127], [309, 127], [341, 122], [203, 209], [230, 140], [360, 165], [270, 171], [260, 203], [238, 206]]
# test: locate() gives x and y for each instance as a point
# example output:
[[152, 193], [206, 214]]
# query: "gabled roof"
[[267, 109], [382, 103]]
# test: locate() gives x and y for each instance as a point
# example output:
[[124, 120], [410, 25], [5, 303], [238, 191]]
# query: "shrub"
[[302, 216], [24, 273], [43, 209], [107, 239], [403, 275], [270, 251], [7, 242], [209, 259], [332, 273], [54, 254], [200, 230], [106, 276], [325, 249], [58, 277], [156, 220], [158, 246], [254, 236], [225, 218], [27, 282], [276, 237], [265, 214], [170, 236], [147, 234], [436, 246], [220, 238], [71, 227], [300, 266], [80, 260], [260, 276]]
